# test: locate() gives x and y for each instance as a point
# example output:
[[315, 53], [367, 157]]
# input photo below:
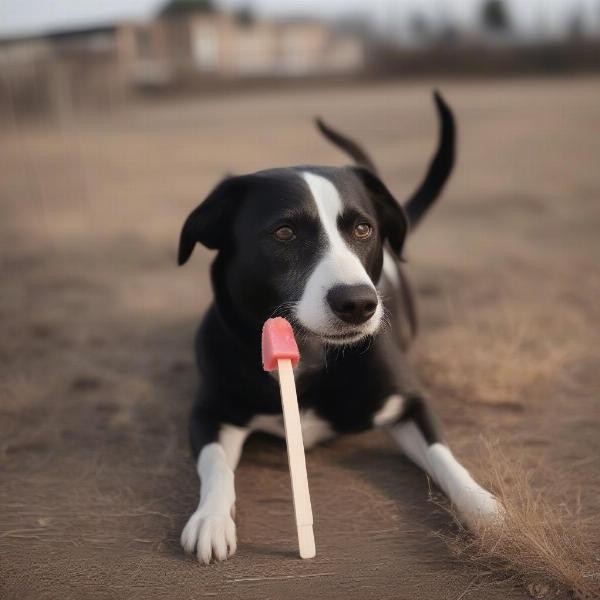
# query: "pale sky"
[[32, 17], [527, 14]]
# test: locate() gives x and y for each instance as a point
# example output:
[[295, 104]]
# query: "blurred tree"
[[419, 27], [575, 25], [180, 7], [495, 16], [355, 23], [449, 33], [245, 16]]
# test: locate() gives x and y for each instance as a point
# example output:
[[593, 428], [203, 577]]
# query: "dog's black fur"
[[249, 287], [256, 276]]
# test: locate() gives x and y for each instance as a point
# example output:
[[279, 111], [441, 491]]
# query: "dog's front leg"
[[419, 436], [210, 531]]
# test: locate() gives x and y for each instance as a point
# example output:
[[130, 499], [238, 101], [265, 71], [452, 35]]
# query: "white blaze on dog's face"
[[304, 243], [339, 302]]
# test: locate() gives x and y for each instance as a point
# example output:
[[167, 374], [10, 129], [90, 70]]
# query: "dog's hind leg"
[[419, 436], [210, 531]]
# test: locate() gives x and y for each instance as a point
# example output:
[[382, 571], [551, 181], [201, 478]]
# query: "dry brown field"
[[96, 367]]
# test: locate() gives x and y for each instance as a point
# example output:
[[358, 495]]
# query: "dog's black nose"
[[353, 303]]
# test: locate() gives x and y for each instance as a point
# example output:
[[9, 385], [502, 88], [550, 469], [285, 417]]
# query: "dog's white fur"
[[390, 411], [338, 266], [390, 270], [314, 429], [477, 506], [210, 531]]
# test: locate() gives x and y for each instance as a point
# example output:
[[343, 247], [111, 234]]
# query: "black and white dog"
[[320, 246]]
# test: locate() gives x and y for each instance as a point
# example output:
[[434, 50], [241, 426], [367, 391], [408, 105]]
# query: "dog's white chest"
[[314, 429]]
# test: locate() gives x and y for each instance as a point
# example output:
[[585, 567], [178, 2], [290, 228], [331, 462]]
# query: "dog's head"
[[304, 242], [308, 243]]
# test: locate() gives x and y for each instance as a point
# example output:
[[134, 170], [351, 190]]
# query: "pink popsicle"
[[279, 351], [278, 342]]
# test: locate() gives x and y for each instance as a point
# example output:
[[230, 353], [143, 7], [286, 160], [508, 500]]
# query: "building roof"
[[33, 18]]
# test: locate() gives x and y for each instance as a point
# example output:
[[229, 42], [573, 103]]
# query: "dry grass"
[[504, 356], [543, 544], [96, 367]]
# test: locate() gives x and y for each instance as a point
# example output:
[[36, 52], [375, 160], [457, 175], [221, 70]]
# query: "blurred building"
[[99, 57], [226, 45]]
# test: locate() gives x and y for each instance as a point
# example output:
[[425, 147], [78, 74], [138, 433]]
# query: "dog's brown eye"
[[285, 234], [362, 231]]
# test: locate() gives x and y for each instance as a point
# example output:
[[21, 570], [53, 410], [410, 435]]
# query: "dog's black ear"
[[206, 223], [393, 222]]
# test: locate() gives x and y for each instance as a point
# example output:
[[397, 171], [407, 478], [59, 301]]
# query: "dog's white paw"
[[209, 536], [483, 511]]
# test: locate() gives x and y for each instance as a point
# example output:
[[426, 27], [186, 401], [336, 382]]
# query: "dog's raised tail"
[[439, 168], [437, 173], [349, 146]]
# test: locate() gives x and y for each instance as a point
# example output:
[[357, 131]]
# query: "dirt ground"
[[96, 367]]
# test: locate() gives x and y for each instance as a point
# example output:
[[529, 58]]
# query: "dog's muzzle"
[[353, 304]]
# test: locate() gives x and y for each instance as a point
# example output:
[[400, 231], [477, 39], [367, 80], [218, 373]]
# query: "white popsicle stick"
[[297, 462]]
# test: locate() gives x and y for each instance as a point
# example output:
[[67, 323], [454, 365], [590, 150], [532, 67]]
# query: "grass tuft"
[[542, 544]]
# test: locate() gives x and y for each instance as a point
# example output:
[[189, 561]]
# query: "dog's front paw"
[[209, 536], [483, 511]]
